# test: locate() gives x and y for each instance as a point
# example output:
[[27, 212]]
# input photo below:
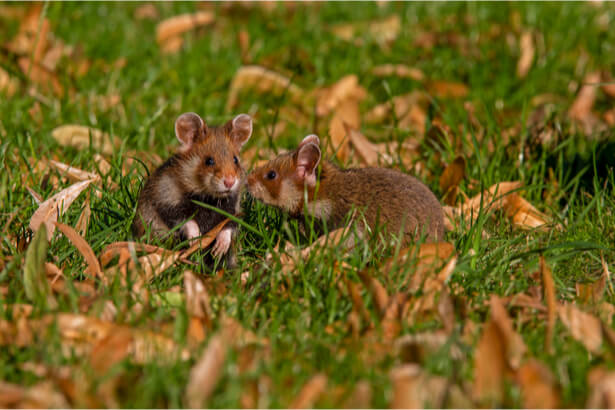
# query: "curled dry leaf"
[[582, 326], [526, 45], [581, 109], [310, 392], [206, 372], [40, 75], [410, 111], [549, 295], [262, 80], [49, 211], [488, 200], [537, 386], [172, 45], [79, 136], [382, 31], [451, 177], [197, 303], [344, 89], [398, 70], [177, 25], [367, 151], [83, 247], [513, 343], [489, 365]]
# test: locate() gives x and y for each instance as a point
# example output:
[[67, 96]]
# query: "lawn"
[[507, 112]]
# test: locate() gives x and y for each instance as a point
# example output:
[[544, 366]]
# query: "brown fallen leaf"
[[8, 84], [205, 240], [360, 397], [451, 177], [41, 395], [147, 11], [261, 80], [489, 200], [310, 392], [398, 70], [206, 372], [537, 386], [490, 365], [83, 247], [367, 151], [513, 343], [526, 58], [49, 211], [602, 389], [581, 108], [448, 89], [414, 388], [172, 45], [410, 110], [386, 30], [73, 173], [40, 75], [197, 299], [118, 248], [346, 88], [550, 297], [346, 116], [79, 136], [177, 25], [523, 214], [582, 326]]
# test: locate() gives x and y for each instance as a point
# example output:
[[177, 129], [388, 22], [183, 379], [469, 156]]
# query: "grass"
[[304, 315]]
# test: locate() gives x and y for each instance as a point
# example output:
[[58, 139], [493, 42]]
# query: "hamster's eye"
[[210, 161], [271, 175], [236, 160]]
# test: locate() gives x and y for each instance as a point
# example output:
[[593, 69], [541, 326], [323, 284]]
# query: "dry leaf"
[[583, 327], [410, 111], [74, 174], [205, 240], [514, 346], [8, 84], [41, 75], [489, 365], [448, 89], [177, 25], [83, 247], [490, 199], [367, 151], [42, 395], [526, 45], [344, 89], [451, 177], [522, 213], [581, 109], [537, 386], [602, 389], [49, 211], [206, 372], [386, 30], [146, 11], [398, 70], [262, 80], [414, 388], [172, 45], [346, 116], [197, 298], [79, 136], [310, 392], [549, 295]]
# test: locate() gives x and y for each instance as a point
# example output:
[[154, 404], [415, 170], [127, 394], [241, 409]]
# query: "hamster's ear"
[[308, 157], [241, 129], [189, 128], [310, 139]]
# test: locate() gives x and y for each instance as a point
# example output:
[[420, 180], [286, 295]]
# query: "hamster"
[[385, 196], [205, 168]]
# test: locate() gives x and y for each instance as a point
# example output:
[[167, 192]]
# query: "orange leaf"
[[177, 25], [537, 386], [346, 117], [310, 392], [448, 89], [551, 299], [345, 88], [206, 372], [526, 44], [582, 326], [451, 177]]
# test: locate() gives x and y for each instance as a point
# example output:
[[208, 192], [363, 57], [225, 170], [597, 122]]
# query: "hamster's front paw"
[[223, 242], [191, 230]]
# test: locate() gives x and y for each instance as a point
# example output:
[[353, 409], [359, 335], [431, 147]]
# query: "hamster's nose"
[[229, 182]]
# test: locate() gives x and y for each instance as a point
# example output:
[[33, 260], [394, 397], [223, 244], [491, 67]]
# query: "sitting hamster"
[[384, 196], [205, 168]]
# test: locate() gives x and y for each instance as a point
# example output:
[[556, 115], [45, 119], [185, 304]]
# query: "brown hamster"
[[384, 195], [205, 168]]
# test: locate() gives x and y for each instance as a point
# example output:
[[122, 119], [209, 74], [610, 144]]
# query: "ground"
[[508, 93]]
